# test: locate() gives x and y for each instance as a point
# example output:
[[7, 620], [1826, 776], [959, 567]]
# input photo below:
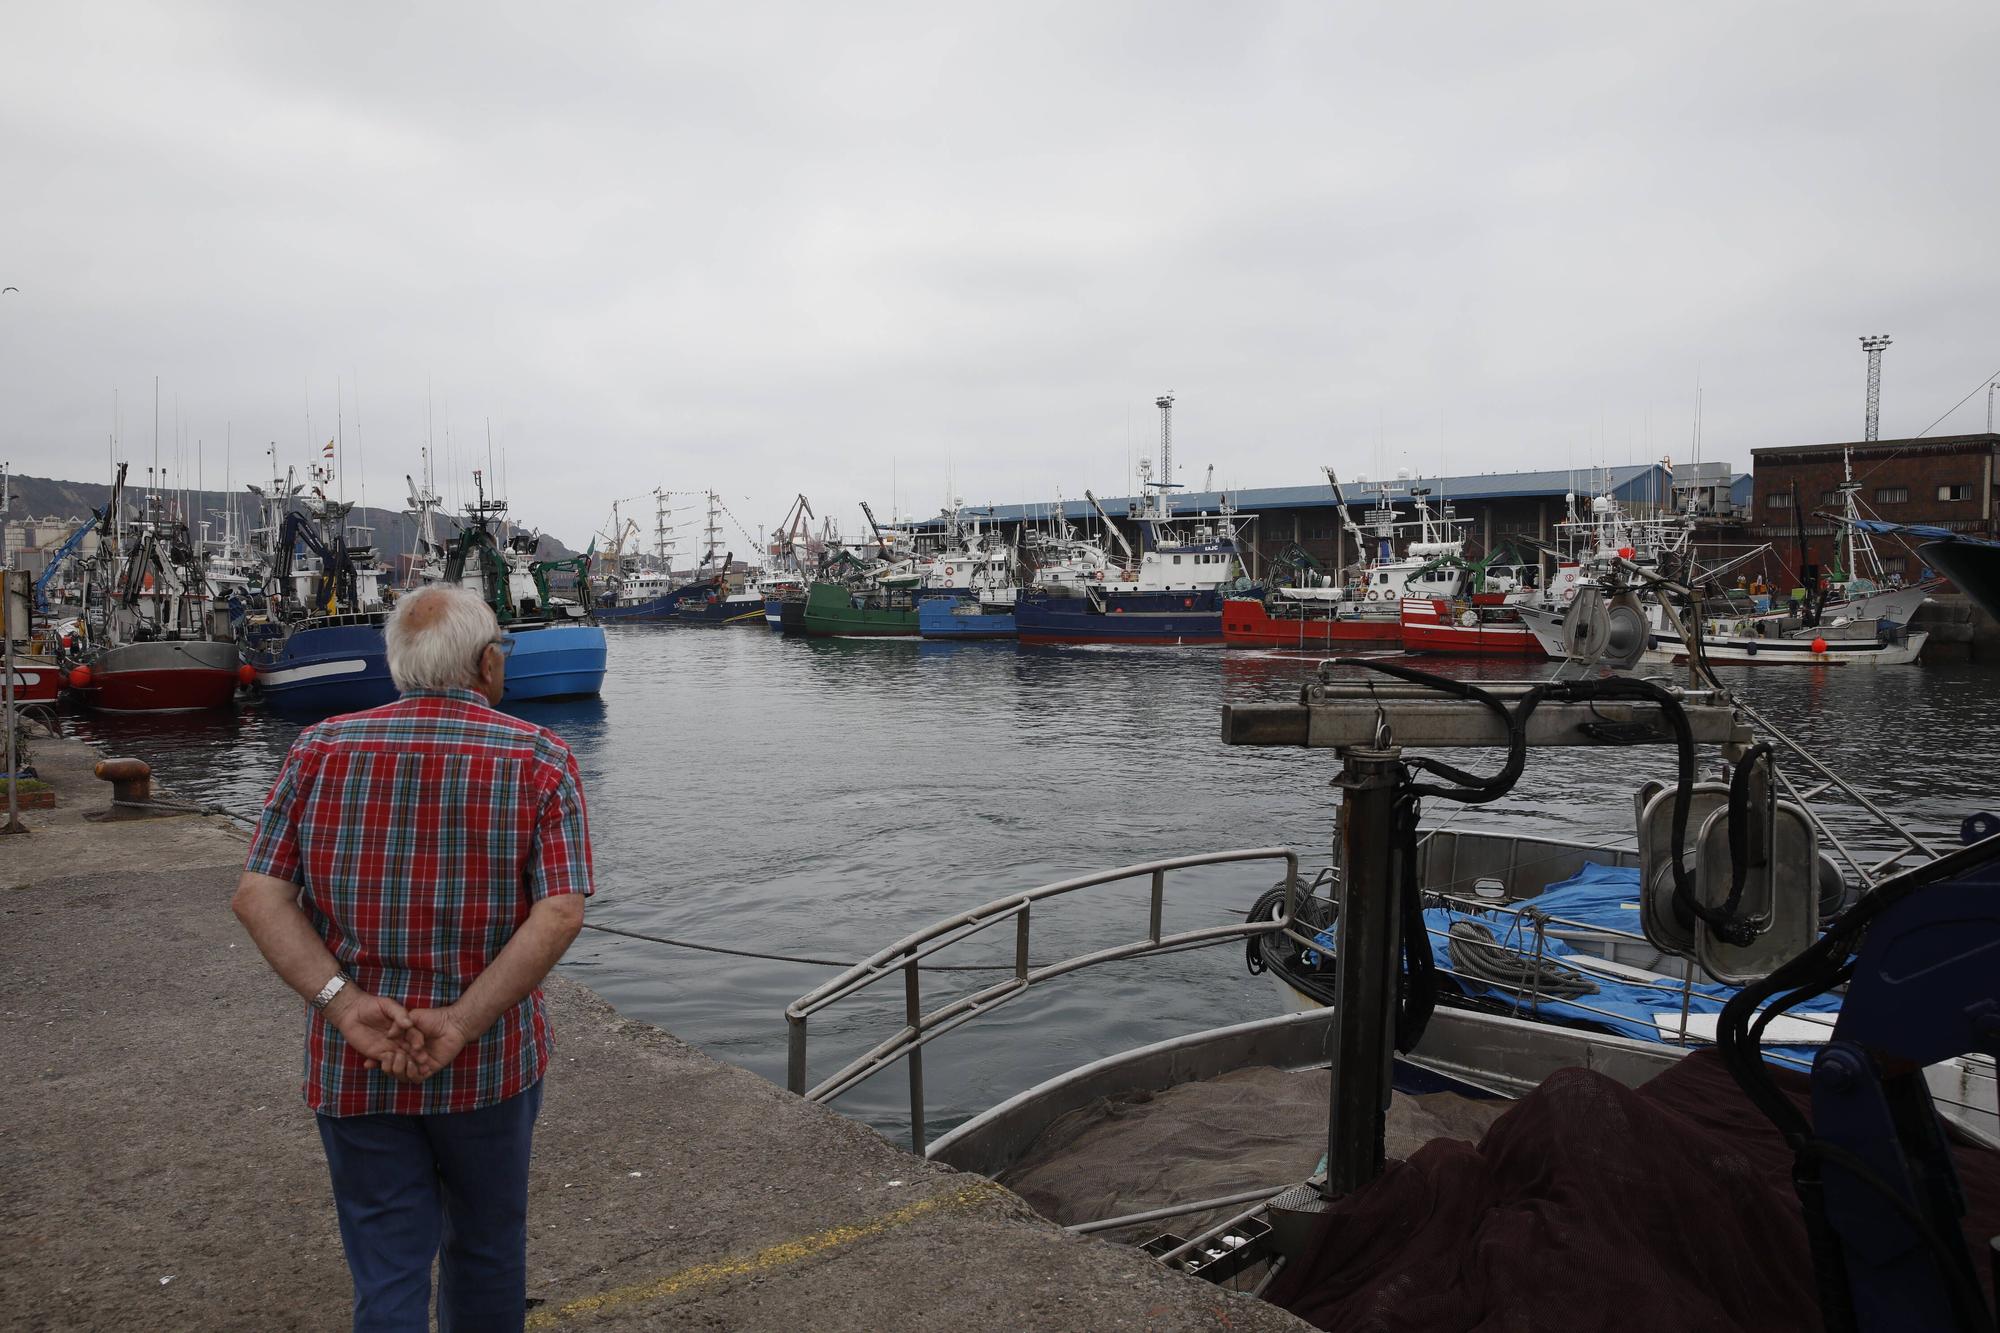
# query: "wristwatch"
[[328, 991]]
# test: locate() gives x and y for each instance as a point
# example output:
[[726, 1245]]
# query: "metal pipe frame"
[[1176, 1210], [906, 955]]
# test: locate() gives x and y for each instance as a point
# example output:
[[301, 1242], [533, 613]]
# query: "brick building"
[[1948, 482]]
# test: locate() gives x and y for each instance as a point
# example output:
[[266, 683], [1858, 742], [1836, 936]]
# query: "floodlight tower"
[[1165, 402], [1873, 345]]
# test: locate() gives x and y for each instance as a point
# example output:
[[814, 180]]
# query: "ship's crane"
[[1116, 535], [880, 541]]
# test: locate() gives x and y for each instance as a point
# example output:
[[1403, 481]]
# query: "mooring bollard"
[[131, 788]]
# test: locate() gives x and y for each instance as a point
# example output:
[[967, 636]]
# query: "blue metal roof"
[[1638, 483]]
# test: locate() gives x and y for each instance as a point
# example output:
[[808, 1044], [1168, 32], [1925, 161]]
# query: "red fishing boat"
[[1485, 626], [1249, 623], [159, 676], [37, 678], [156, 643]]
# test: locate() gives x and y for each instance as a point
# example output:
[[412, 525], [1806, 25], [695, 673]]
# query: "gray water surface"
[[824, 797]]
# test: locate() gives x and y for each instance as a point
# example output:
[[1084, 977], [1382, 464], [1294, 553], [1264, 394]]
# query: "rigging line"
[[1934, 425]]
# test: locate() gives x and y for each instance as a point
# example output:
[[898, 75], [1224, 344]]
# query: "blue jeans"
[[402, 1183]]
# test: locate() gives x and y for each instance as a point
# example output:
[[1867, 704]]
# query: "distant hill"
[[395, 530]]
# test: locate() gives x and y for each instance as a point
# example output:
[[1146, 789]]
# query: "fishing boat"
[[37, 678], [153, 642], [644, 595], [1497, 1042], [835, 609], [558, 647], [1170, 591], [1484, 625], [314, 634], [1307, 607], [717, 605], [1973, 563], [1253, 622]]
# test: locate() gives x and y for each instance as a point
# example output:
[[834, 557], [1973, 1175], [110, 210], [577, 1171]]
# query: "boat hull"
[[667, 606], [37, 679], [722, 610], [1747, 651], [941, 618], [1247, 623], [1429, 627], [162, 676], [558, 661], [1973, 565], [321, 670], [830, 610], [1173, 619]]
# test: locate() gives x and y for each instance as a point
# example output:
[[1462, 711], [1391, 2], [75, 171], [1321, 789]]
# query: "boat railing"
[[906, 956]]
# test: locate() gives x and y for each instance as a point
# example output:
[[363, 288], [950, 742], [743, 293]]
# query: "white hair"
[[436, 636]]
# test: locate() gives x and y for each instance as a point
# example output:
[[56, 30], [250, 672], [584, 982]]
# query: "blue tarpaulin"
[[1604, 896]]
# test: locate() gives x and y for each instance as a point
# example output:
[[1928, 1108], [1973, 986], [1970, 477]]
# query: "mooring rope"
[[763, 955]]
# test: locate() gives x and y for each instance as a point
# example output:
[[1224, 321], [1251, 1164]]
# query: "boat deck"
[[1253, 1128]]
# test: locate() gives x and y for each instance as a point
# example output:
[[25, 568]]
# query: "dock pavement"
[[162, 1171]]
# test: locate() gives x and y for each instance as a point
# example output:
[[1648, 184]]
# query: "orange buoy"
[[246, 673], [1819, 645], [79, 678]]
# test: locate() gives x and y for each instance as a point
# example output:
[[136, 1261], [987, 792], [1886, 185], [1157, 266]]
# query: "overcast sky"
[[773, 249]]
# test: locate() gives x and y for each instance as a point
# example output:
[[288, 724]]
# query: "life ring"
[[1569, 594], [1373, 595]]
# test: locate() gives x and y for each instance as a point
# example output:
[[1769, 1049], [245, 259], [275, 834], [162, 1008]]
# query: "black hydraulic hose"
[[1472, 789], [1418, 984]]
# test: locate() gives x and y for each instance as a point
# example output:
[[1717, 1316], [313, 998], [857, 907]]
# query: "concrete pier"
[[162, 1172]]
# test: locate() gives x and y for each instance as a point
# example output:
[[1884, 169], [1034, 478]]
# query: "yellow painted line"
[[763, 1261]]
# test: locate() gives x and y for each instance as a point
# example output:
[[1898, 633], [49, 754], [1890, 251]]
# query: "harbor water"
[[820, 798]]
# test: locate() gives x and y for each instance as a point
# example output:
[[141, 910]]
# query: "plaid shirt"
[[421, 833]]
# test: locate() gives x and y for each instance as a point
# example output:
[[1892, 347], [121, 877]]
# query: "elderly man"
[[417, 871]]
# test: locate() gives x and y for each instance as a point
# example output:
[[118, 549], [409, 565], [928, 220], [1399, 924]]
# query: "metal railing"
[[906, 957]]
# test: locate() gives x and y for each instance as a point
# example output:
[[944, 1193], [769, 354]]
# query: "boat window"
[[1177, 560]]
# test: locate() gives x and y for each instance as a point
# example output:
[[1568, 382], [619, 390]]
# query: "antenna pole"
[[1165, 402]]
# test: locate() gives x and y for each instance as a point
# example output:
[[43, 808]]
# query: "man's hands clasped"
[[407, 1045]]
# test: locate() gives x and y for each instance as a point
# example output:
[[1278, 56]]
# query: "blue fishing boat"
[[716, 605], [327, 665], [1044, 616], [1169, 592], [315, 638], [644, 597], [558, 648]]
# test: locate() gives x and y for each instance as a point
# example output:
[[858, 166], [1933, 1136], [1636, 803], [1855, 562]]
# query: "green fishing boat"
[[834, 608]]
